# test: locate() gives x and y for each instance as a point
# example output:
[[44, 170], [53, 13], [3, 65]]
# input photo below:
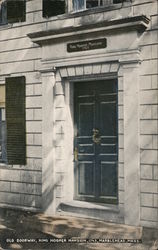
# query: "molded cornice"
[[138, 23]]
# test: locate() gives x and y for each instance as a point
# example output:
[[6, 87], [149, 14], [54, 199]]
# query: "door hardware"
[[76, 154], [96, 137]]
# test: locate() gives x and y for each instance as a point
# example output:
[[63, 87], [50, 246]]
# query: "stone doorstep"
[[105, 212], [66, 226], [69, 226]]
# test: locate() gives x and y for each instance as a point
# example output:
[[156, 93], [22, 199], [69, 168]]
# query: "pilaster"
[[48, 181], [131, 143]]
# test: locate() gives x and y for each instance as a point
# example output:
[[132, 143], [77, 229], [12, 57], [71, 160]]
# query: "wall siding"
[[22, 185], [149, 117]]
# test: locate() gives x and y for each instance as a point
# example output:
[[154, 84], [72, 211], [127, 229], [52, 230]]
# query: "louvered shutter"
[[15, 120], [16, 11], [53, 7]]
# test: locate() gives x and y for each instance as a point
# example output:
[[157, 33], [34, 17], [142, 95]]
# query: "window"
[[53, 7], [87, 4], [12, 121], [58, 7], [12, 11]]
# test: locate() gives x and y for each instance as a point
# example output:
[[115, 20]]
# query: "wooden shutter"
[[15, 120], [53, 7], [16, 10]]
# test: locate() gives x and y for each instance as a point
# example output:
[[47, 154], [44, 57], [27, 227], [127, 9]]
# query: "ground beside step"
[[23, 230]]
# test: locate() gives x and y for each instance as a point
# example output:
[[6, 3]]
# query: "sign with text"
[[87, 45]]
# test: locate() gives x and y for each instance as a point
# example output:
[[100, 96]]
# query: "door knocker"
[[96, 137]]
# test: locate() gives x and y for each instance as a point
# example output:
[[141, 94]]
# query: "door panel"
[[86, 178], [86, 111], [108, 187], [95, 141]]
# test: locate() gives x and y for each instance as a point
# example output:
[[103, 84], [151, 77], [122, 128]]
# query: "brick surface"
[[38, 89], [154, 80], [146, 141], [29, 114], [150, 67], [155, 172], [4, 186], [29, 90], [149, 157], [34, 151], [149, 214], [145, 82], [147, 200], [146, 172], [10, 198], [38, 139], [37, 114], [148, 127], [33, 126], [29, 139], [155, 200], [155, 112], [149, 186], [9, 175], [33, 102], [149, 97]]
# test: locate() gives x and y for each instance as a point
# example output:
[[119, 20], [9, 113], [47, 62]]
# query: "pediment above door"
[[96, 42]]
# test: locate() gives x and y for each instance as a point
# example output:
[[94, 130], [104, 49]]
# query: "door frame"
[[69, 100]]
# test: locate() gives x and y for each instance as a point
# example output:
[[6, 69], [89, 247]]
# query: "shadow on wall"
[[57, 161]]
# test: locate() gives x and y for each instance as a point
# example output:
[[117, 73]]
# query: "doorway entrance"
[[96, 141]]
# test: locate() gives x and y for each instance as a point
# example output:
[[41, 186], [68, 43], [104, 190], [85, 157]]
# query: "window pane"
[[3, 12], [78, 5], [92, 3], [53, 7], [16, 11]]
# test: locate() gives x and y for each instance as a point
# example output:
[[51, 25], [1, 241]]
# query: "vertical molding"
[[131, 143], [48, 180]]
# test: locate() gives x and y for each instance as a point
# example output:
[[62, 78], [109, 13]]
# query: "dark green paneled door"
[[96, 141]]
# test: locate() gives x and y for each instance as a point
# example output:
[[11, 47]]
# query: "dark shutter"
[[15, 120], [53, 7], [16, 10]]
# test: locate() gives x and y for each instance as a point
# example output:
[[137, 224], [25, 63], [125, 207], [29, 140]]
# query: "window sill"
[[93, 210], [4, 165], [11, 25], [93, 205]]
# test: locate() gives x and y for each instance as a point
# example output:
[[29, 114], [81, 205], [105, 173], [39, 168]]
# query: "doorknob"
[[96, 137]]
